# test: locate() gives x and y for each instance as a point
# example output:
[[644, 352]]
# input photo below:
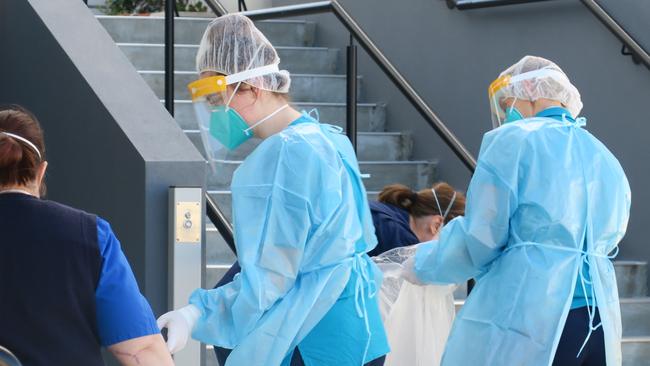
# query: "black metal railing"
[[220, 222], [639, 55], [351, 93], [477, 4], [630, 46], [170, 9]]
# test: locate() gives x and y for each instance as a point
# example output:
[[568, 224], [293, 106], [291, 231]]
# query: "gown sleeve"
[[468, 244], [279, 198]]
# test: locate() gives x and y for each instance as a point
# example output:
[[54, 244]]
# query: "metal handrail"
[[216, 8], [170, 8], [478, 4], [220, 222], [637, 52]]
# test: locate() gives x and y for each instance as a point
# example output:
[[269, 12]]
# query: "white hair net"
[[232, 44], [557, 88]]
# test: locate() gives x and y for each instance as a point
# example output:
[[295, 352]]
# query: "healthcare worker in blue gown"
[[546, 208], [301, 219]]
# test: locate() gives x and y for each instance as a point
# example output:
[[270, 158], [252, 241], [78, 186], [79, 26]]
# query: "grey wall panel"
[[113, 149], [451, 56]]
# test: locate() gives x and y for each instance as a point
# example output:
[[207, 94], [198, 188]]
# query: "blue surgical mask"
[[512, 115]]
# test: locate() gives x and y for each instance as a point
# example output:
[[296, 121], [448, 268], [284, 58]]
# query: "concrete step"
[[376, 146], [304, 87], [635, 314], [298, 60], [214, 273], [371, 117], [415, 174], [632, 278], [150, 29], [636, 351]]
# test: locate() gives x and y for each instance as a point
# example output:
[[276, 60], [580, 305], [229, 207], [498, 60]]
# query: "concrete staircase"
[[319, 83], [631, 277]]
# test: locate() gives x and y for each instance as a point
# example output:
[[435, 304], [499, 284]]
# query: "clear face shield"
[[497, 93], [507, 89], [226, 136]]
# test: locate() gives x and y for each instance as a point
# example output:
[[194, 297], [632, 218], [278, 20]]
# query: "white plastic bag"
[[417, 318]]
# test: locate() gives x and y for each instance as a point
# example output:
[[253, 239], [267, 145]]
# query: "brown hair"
[[18, 161], [423, 203]]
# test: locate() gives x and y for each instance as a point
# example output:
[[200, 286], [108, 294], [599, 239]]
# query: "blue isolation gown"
[[302, 230], [547, 198]]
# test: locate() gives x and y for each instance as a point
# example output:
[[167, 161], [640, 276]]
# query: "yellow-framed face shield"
[[211, 90], [507, 87], [497, 95], [217, 122]]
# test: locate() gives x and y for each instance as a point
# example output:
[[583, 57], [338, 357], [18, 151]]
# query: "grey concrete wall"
[[451, 56], [112, 148]]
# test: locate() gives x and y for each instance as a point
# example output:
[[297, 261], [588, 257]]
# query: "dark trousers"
[[573, 336], [296, 360]]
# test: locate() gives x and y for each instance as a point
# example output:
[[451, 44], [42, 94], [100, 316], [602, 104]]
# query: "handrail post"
[[351, 95], [170, 6]]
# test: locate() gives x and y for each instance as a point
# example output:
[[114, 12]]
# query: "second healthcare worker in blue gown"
[[301, 219], [546, 208]]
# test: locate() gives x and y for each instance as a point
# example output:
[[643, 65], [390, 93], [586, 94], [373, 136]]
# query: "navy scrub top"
[[391, 227]]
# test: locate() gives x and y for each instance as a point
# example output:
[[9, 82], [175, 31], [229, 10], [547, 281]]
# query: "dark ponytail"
[[399, 195], [423, 203]]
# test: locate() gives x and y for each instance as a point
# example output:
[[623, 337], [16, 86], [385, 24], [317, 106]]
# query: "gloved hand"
[[408, 272], [179, 324]]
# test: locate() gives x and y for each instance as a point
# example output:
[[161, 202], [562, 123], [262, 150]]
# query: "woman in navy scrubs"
[[404, 217], [66, 288]]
